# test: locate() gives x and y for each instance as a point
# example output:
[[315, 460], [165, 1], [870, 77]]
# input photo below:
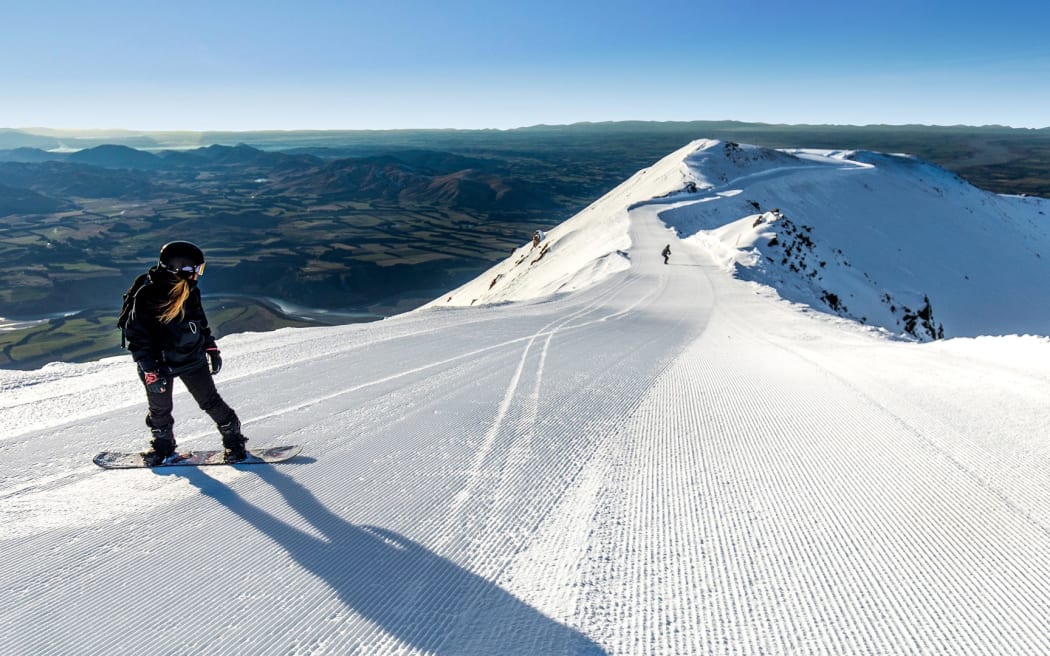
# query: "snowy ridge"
[[885, 240], [667, 460], [587, 248], [894, 243]]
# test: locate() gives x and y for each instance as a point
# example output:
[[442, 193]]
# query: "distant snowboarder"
[[168, 336], [666, 252], [537, 237]]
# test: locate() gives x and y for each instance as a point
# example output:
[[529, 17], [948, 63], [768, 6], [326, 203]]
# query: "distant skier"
[[537, 237], [666, 252], [168, 336]]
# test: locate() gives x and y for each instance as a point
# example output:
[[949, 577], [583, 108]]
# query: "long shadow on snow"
[[421, 598]]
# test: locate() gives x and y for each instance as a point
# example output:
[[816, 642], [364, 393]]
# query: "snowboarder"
[[168, 336], [666, 252]]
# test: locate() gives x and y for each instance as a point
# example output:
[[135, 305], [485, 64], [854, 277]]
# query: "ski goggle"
[[197, 270]]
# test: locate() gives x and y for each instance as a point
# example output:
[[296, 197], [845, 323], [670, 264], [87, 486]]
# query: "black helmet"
[[182, 258]]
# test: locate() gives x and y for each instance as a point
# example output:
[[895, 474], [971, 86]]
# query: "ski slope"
[[666, 459]]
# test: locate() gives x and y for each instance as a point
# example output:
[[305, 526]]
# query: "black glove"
[[155, 383], [216, 360]]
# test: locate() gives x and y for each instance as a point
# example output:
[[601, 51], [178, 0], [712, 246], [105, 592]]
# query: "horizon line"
[[89, 130]]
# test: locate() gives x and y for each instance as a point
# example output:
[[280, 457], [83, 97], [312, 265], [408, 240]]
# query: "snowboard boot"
[[161, 447], [233, 441]]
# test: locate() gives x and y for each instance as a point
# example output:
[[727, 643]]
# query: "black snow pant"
[[201, 386]]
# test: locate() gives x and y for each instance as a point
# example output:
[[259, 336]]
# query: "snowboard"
[[122, 460]]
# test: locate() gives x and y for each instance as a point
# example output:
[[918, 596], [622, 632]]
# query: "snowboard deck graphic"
[[122, 460]]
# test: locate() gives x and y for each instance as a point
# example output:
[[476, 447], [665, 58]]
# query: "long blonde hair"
[[174, 308]]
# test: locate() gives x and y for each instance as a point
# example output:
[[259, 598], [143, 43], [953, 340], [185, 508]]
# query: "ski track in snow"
[[666, 463]]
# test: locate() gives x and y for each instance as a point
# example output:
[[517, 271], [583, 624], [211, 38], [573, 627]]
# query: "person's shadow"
[[421, 598]]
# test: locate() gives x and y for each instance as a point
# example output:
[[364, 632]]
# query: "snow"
[[599, 453]]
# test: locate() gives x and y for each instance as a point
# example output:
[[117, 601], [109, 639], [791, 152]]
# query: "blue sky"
[[376, 64]]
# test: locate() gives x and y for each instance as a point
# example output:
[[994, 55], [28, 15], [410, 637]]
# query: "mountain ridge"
[[788, 220]]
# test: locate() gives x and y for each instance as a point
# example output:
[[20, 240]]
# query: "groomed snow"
[[605, 455]]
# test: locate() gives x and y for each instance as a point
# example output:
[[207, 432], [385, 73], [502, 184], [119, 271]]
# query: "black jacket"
[[168, 348]]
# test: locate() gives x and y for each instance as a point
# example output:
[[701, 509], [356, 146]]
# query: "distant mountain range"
[[25, 201], [418, 176], [62, 181]]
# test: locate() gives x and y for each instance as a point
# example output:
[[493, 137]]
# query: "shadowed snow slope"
[[636, 459]]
